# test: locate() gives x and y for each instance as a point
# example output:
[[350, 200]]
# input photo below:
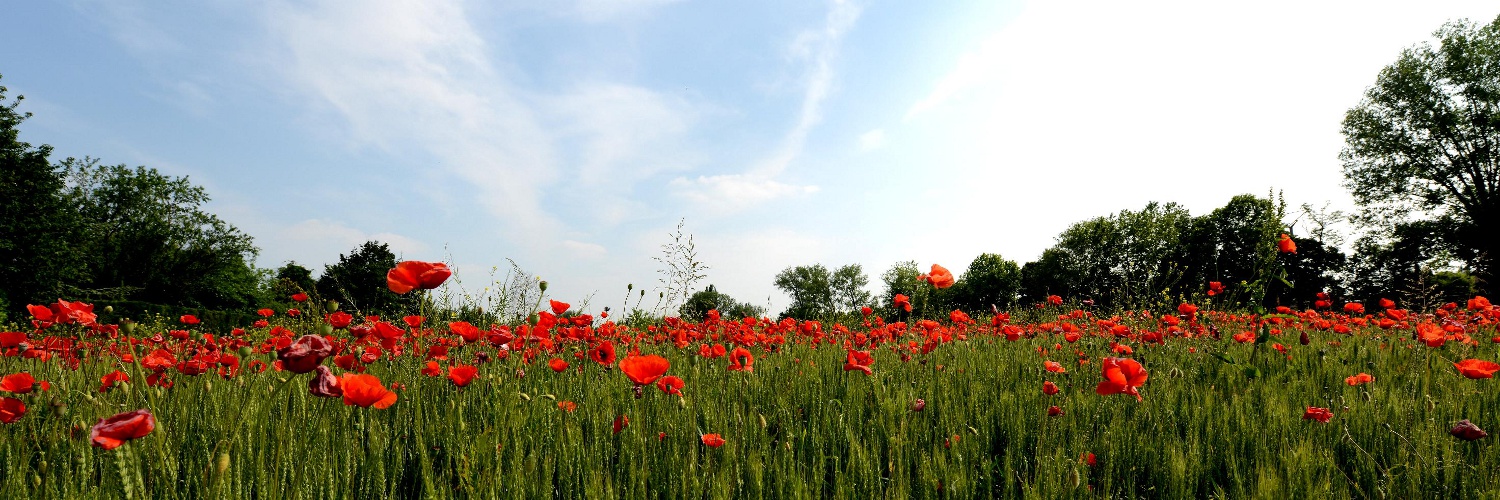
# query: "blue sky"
[[572, 136]]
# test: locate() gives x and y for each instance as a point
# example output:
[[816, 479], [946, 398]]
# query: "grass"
[[798, 426]]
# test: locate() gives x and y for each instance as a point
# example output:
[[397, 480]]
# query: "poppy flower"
[[1054, 300], [1354, 308], [1054, 411], [1316, 413], [1467, 431], [919, 405], [462, 375], [324, 384], [557, 364], [413, 321], [266, 313], [1479, 303], [713, 440], [1089, 459], [299, 297], [940, 277], [11, 410], [740, 360], [858, 360], [188, 319], [1049, 388], [1054, 367], [432, 369], [1121, 376], [1362, 378], [411, 275], [19, 383], [671, 384], [1387, 303], [1477, 368], [114, 431], [620, 423], [339, 319], [365, 391], [866, 311], [567, 406], [559, 307], [903, 302], [1215, 288], [644, 370], [110, 379], [604, 353], [1286, 245], [305, 354]]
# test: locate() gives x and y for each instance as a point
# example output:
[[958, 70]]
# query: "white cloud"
[[330, 238], [582, 250], [722, 194], [872, 140]]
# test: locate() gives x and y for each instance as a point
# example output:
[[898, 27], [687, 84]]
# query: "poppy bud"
[[109, 309], [326, 330], [542, 285], [222, 463], [246, 351], [1303, 339], [918, 405], [331, 306]]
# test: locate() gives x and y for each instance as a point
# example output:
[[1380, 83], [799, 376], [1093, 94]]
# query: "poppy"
[[299, 297], [19, 383], [365, 391], [1362, 378], [1054, 411], [411, 275], [462, 375], [858, 360], [1286, 245], [1215, 288], [1316, 413], [1477, 368], [1354, 308], [567, 406], [1054, 367], [740, 360], [465, 330], [110, 379], [188, 319], [1122, 376], [266, 313], [1054, 300], [713, 440], [1479, 303], [903, 302], [671, 384], [114, 431], [305, 354], [559, 307], [1387, 303], [620, 423], [324, 384], [940, 277], [1089, 459], [1432, 335], [432, 369], [1467, 431], [604, 353], [339, 319], [11, 410], [557, 364], [919, 405], [644, 370], [413, 321], [1049, 388]]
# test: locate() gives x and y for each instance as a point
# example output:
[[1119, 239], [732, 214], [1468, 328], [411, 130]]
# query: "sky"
[[572, 136]]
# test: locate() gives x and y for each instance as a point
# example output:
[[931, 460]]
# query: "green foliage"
[[697, 306], [37, 227], [820, 294], [145, 237], [1121, 260], [1420, 146], [358, 282], [990, 281]]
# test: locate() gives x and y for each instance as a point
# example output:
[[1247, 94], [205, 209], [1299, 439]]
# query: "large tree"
[[36, 225], [1422, 143], [358, 281]]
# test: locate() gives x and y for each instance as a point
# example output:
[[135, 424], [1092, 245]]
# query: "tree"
[[292, 279], [990, 281], [697, 306], [848, 289], [1421, 145], [37, 227], [811, 289], [1120, 260], [357, 281], [900, 279], [148, 239]]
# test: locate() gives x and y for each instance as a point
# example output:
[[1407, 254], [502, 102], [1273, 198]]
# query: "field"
[[1228, 406]]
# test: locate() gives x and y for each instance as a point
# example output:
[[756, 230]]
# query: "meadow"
[[1039, 402]]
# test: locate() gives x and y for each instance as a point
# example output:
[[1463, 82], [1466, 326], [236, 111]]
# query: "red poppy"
[[567, 406], [11, 410], [188, 319], [465, 330], [1054, 411], [1049, 388], [1089, 459], [1479, 303], [1122, 376], [432, 369], [339, 319], [1286, 245], [1054, 300], [1316, 413], [919, 405], [305, 354], [1477, 368], [299, 297], [411, 275], [462, 375], [1387, 303], [1215, 288], [1467, 431], [620, 423], [866, 310], [19, 383], [111, 378], [1362, 378], [365, 391], [1054, 367], [940, 277], [559, 307], [1354, 308], [114, 431], [644, 370], [557, 364], [266, 313], [713, 440], [858, 360], [903, 302], [324, 384], [740, 360], [604, 353], [413, 321], [670, 384]]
